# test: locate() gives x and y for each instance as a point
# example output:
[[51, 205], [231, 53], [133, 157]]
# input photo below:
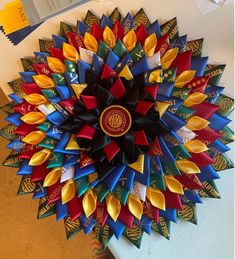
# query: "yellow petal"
[[129, 40], [70, 52], [195, 98], [113, 206], [197, 123], [35, 99], [44, 81], [135, 206], [40, 157], [109, 37], [195, 146], [155, 76], [89, 203], [156, 198], [68, 191], [184, 78], [72, 144], [161, 107], [78, 89], [56, 65], [150, 44], [90, 42], [173, 185], [33, 118], [34, 137], [52, 177], [187, 166], [139, 164], [126, 73], [168, 58]]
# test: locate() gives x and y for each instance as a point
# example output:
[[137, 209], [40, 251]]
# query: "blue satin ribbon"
[[41, 57], [39, 191], [126, 60], [165, 89], [87, 224], [144, 223], [54, 132], [169, 214], [58, 41], [105, 21], [155, 28], [25, 169], [176, 101], [128, 21], [207, 174], [217, 122], [219, 146], [198, 64], [55, 99], [71, 160], [14, 119], [27, 76], [56, 118], [82, 68], [140, 67], [173, 121], [64, 92], [61, 145], [180, 43], [112, 178], [166, 151], [116, 226], [81, 28], [127, 178], [213, 92], [16, 145], [193, 196], [71, 78], [15, 98], [112, 59], [61, 210], [80, 172], [155, 165]]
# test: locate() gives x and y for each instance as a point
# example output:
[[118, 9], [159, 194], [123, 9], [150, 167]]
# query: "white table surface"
[[213, 237]]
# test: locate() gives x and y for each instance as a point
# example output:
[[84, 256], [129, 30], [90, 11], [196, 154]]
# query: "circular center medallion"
[[115, 121]]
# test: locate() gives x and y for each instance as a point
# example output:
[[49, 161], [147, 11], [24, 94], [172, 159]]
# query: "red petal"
[[97, 31], [140, 138], [111, 150], [42, 69], [75, 40], [101, 214], [172, 200], [152, 90], [24, 108], [86, 132], [29, 150], [126, 217], [201, 159], [53, 192], [143, 107], [162, 45], [40, 172], [141, 34], [150, 211], [182, 62], [57, 53], [198, 84], [118, 30], [69, 104], [189, 181], [118, 89], [155, 149], [108, 72], [75, 208], [89, 101], [24, 129], [205, 109], [85, 160], [31, 88], [207, 135]]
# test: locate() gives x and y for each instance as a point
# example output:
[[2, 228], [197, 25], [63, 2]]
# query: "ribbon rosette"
[[118, 126]]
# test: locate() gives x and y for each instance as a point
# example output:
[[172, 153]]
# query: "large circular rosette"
[[118, 126]]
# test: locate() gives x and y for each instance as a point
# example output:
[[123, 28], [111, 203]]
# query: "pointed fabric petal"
[[90, 42], [34, 137], [156, 198], [195, 98], [187, 166], [33, 118], [52, 177], [195, 146], [109, 37], [40, 157], [197, 123], [184, 78], [113, 206], [130, 40], [139, 164], [135, 206], [173, 185], [70, 52], [56, 65], [68, 191], [150, 44], [35, 99], [89, 203], [168, 58], [44, 81]]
